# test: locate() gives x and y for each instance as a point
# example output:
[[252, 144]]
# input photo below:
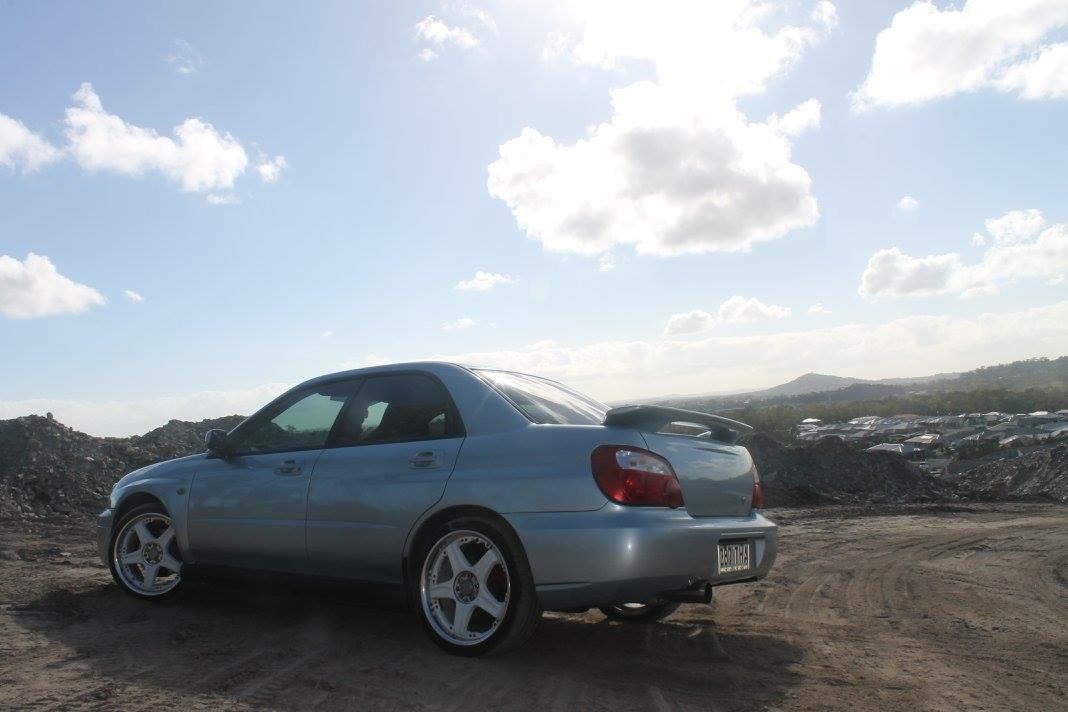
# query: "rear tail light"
[[758, 492], [630, 475]]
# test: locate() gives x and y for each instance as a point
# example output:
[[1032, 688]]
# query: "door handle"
[[288, 467], [425, 459]]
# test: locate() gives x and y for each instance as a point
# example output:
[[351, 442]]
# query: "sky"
[[202, 204]]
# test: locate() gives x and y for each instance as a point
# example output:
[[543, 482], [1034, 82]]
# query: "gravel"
[[1037, 476], [831, 472], [47, 468]]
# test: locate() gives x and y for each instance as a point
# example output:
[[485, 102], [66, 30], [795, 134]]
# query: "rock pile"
[[49, 468], [831, 472], [1038, 475]]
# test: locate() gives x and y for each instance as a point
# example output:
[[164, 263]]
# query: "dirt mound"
[[179, 437], [49, 468], [1038, 475], [830, 471]]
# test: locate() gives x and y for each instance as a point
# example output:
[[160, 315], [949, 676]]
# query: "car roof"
[[436, 367]]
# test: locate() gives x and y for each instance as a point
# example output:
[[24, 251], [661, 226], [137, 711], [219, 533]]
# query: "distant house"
[[1002, 429], [966, 441], [1040, 417], [1055, 430], [887, 447], [925, 441]]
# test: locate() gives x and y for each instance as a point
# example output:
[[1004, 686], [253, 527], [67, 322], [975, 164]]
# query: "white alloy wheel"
[[145, 555], [465, 587]]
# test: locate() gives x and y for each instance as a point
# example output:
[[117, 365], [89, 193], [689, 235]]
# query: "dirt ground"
[[914, 609]]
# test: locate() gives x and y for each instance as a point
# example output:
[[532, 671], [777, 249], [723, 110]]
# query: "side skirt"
[[385, 594]]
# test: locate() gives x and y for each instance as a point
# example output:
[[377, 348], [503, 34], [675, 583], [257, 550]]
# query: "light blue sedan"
[[482, 497]]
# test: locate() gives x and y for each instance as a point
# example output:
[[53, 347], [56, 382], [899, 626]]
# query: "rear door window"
[[397, 408]]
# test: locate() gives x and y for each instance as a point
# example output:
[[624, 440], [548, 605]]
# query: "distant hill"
[[1037, 373], [808, 383], [821, 383]]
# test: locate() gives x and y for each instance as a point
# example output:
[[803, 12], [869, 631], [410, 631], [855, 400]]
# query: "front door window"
[[301, 422]]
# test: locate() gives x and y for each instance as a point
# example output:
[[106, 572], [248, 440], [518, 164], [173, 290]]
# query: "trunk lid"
[[715, 473]]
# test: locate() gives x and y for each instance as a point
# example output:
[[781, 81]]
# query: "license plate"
[[734, 557]]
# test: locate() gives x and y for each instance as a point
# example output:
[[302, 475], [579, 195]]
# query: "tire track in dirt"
[[937, 611]]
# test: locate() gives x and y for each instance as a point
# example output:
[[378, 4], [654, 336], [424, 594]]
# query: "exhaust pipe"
[[700, 593]]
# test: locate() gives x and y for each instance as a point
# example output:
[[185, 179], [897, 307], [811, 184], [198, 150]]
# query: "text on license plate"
[[734, 556]]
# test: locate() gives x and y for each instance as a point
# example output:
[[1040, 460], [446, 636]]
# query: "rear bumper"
[[103, 534], [630, 554]]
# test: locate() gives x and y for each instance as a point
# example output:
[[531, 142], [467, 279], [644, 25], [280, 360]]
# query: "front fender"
[[170, 483]]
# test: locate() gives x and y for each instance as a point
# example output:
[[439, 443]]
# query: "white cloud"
[[477, 14], [614, 370], [1024, 248], [736, 310], [606, 262], [907, 204], [825, 14], [690, 322], [184, 58], [978, 239], [556, 46], [1016, 226], [199, 158], [270, 168], [927, 53], [464, 322], [661, 176], [21, 148], [483, 281], [717, 48], [891, 272], [818, 308], [327, 334], [223, 199], [903, 347], [1057, 280], [132, 296], [437, 34], [1043, 77], [803, 117], [739, 310], [135, 417], [33, 288], [678, 168]]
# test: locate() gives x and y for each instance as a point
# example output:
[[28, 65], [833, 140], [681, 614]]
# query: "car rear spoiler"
[[653, 418]]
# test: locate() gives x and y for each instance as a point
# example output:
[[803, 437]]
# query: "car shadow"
[[285, 647]]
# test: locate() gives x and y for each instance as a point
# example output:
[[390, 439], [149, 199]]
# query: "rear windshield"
[[544, 401]]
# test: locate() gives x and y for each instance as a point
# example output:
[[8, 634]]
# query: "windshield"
[[544, 401]]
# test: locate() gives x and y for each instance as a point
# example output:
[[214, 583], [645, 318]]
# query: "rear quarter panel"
[[536, 468]]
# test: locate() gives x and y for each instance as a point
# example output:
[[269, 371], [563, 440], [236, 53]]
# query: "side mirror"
[[215, 439]]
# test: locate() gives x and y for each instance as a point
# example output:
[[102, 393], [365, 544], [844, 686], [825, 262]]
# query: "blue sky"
[[678, 248]]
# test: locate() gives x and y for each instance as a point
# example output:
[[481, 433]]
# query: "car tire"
[[640, 612], [143, 553], [484, 605]]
